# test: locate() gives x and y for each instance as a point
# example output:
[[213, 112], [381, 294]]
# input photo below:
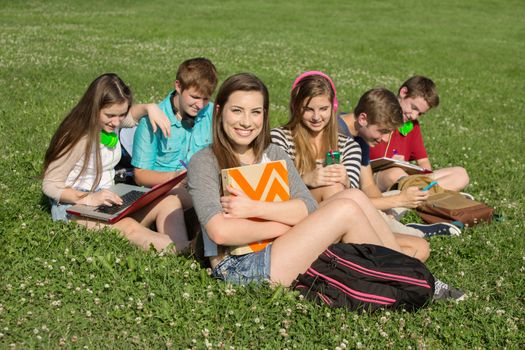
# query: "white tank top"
[[109, 159]]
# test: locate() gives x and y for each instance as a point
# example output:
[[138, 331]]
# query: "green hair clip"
[[406, 128]]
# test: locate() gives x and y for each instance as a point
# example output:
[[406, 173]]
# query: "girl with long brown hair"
[[298, 229], [79, 164]]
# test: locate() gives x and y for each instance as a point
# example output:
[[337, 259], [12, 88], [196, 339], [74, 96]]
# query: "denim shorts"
[[58, 211], [244, 269]]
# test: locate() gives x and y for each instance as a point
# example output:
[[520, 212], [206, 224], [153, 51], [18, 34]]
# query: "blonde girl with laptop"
[[79, 165]]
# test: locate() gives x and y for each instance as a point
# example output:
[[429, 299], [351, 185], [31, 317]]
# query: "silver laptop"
[[134, 198]]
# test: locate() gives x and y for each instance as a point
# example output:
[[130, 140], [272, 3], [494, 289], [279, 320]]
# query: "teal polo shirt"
[[153, 151]]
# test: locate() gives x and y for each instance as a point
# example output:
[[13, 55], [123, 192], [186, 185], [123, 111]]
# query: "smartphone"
[[332, 157], [429, 186]]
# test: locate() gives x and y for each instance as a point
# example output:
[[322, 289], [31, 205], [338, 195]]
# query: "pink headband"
[[316, 72]]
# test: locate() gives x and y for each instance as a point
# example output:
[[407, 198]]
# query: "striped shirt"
[[350, 152]]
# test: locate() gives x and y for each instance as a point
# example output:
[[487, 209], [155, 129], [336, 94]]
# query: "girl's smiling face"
[[111, 116], [317, 113], [243, 118]]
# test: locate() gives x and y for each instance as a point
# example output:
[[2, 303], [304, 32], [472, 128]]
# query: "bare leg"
[[415, 247], [338, 220], [167, 214], [453, 178], [132, 230], [142, 236], [323, 193], [410, 245], [182, 192], [371, 214], [388, 177]]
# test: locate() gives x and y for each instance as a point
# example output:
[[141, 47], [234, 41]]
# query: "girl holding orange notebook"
[[300, 230]]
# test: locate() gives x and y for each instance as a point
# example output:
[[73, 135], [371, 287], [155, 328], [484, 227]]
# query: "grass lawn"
[[62, 285]]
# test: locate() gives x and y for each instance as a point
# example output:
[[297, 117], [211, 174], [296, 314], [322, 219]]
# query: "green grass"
[[61, 285]]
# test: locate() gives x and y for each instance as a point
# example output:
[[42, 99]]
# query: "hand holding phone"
[[332, 157]]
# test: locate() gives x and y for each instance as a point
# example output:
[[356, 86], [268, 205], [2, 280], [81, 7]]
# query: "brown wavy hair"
[[83, 121], [222, 147]]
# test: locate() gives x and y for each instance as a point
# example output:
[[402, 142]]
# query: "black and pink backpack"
[[366, 277]]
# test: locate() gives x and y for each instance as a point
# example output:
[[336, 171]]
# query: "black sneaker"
[[444, 291], [441, 228]]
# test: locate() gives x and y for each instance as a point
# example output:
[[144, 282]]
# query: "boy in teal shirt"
[[157, 158]]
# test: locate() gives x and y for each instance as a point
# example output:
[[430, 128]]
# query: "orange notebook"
[[265, 182]]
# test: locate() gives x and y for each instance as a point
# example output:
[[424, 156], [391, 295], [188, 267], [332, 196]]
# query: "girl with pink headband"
[[312, 132]]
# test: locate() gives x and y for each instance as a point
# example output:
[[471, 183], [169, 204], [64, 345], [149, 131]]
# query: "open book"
[[385, 163], [265, 182]]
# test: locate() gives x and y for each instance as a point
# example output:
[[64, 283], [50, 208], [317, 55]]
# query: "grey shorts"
[[244, 269]]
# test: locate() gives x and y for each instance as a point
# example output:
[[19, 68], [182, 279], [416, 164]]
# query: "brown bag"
[[447, 206], [453, 206]]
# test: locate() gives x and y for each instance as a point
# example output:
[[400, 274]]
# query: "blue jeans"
[[244, 269]]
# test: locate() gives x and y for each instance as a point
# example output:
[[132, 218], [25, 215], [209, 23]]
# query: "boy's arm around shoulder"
[[145, 148], [157, 118]]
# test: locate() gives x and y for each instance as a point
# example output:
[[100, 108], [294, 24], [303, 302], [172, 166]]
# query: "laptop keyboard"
[[127, 199]]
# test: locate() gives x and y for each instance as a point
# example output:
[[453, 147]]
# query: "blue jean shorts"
[[58, 211], [244, 269]]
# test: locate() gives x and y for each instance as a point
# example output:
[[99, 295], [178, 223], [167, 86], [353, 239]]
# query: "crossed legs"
[[338, 220], [348, 217], [452, 178], [321, 194], [166, 213]]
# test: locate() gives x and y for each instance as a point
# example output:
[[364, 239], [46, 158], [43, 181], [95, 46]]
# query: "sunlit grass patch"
[[64, 286]]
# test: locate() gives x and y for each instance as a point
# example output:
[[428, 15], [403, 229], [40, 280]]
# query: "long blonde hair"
[[83, 121], [304, 90], [222, 147]]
